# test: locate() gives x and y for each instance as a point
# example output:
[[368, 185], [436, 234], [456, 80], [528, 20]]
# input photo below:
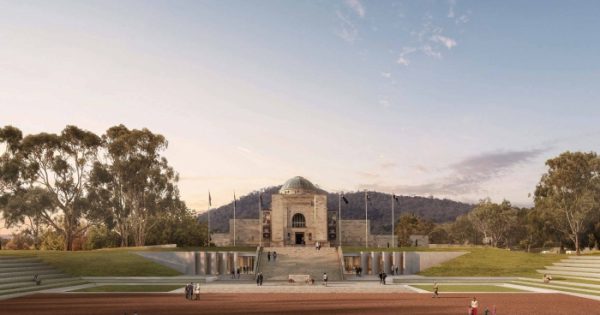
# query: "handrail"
[[257, 261], [340, 253]]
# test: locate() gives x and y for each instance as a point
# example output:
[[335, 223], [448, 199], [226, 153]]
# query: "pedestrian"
[[232, 273], [474, 306], [435, 290], [384, 276], [397, 270], [261, 278], [197, 290], [316, 245], [188, 291], [380, 277], [486, 311], [274, 256], [238, 272], [258, 279], [325, 278], [268, 256]]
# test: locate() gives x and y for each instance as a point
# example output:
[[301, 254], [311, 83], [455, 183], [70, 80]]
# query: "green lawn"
[[493, 262], [98, 263], [131, 288], [467, 288], [358, 249]]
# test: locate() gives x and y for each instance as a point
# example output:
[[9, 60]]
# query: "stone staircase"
[[300, 261], [16, 275], [575, 266]]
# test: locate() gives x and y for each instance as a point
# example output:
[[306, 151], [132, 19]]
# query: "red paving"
[[296, 303]]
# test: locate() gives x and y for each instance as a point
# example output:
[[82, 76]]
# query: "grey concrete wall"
[[183, 262]]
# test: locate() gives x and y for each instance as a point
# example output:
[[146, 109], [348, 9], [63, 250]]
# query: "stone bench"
[[300, 279]]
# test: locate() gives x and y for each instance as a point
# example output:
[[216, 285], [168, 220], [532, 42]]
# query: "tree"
[[569, 192], [61, 165], [10, 166], [409, 224], [494, 220], [26, 207], [462, 231], [134, 181]]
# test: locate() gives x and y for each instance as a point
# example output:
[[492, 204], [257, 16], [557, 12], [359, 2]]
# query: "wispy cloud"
[[446, 41], [346, 29], [430, 52], [466, 176], [357, 7], [451, 13], [386, 74], [402, 59]]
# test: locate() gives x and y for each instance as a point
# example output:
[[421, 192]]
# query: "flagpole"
[[393, 238], [340, 219], [366, 221], [260, 223], [208, 211], [234, 219]]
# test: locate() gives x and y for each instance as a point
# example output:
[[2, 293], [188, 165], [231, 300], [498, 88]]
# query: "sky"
[[453, 99]]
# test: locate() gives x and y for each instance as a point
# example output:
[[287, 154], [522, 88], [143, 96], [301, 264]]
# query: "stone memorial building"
[[299, 216]]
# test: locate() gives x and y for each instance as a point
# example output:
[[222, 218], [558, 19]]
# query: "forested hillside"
[[437, 210]]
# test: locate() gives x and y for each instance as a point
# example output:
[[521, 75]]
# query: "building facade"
[[299, 216]]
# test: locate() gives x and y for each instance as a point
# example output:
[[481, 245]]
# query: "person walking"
[[380, 277], [261, 278], [384, 275], [274, 256], [268, 256], [325, 278], [258, 279], [435, 290], [474, 306], [197, 291]]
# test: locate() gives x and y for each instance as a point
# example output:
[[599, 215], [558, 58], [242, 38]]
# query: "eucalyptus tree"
[[494, 220], [61, 165], [569, 192], [134, 181], [10, 166]]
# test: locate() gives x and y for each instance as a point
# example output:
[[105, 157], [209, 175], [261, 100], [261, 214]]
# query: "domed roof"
[[298, 185]]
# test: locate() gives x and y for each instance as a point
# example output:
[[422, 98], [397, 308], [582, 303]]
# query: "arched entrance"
[[298, 221]]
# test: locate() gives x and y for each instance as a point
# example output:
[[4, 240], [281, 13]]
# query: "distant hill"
[[437, 210]]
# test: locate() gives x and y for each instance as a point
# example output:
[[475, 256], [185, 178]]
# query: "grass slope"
[[98, 263], [493, 262]]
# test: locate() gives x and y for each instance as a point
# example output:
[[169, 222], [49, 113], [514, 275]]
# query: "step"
[[31, 273], [17, 269], [20, 264], [29, 277], [576, 269], [33, 288], [569, 273], [20, 260], [576, 265], [597, 258], [28, 282]]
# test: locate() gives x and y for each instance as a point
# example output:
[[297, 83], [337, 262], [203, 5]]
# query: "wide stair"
[[300, 261], [17, 273], [575, 266]]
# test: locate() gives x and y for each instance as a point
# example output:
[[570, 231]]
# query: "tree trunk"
[[68, 240], [577, 244]]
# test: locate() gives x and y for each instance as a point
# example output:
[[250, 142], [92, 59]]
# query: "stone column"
[[374, 263], [364, 262], [386, 262], [201, 267], [396, 261], [213, 267], [236, 264], [224, 270]]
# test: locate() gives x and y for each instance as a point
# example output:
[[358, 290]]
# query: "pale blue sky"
[[456, 99]]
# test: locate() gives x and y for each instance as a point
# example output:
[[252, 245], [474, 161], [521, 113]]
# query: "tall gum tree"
[[569, 192], [61, 164]]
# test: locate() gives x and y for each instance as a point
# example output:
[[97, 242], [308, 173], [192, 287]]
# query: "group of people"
[[269, 256], [382, 276], [259, 279], [358, 271], [192, 291]]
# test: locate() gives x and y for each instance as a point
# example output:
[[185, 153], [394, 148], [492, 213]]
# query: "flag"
[[209, 199], [395, 197], [345, 199]]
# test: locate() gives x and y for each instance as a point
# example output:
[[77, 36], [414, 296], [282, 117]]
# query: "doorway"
[[299, 238]]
